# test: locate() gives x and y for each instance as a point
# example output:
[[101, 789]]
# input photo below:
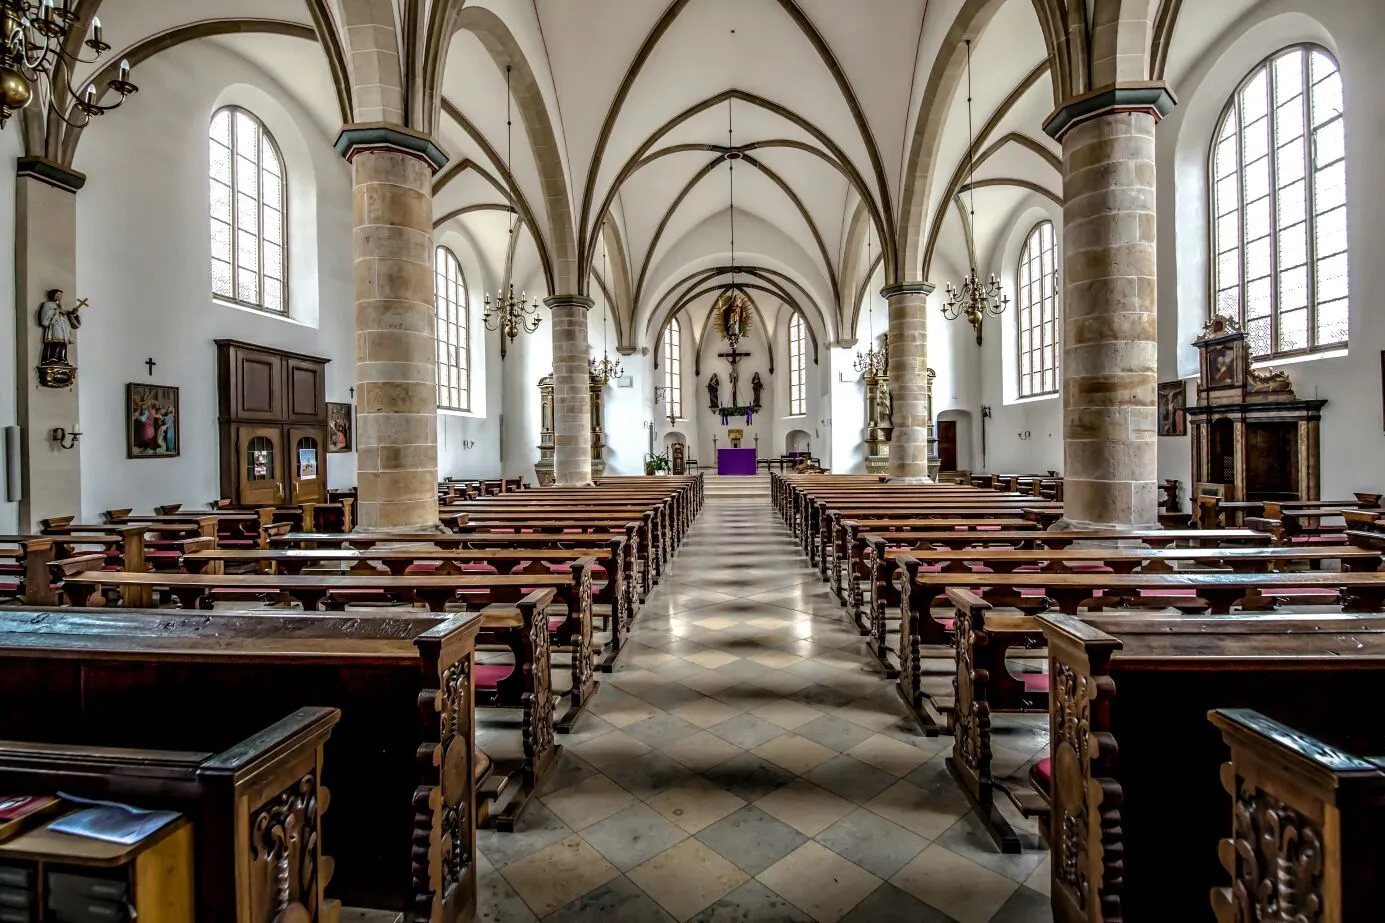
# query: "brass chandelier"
[[33, 47], [506, 313], [974, 300], [874, 361], [604, 370]]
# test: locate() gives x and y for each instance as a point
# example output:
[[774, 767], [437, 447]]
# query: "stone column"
[[1110, 331], [572, 413], [396, 361], [908, 355], [45, 258]]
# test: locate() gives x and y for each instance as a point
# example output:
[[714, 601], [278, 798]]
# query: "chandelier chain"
[[508, 314]]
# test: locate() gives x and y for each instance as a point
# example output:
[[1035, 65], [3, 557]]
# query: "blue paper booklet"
[[111, 821]]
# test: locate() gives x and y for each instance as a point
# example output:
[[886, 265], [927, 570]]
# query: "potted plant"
[[656, 464]]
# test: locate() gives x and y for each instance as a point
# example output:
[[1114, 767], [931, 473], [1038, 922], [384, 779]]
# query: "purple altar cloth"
[[736, 461]]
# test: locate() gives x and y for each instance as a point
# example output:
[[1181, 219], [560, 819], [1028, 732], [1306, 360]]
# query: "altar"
[[739, 462]]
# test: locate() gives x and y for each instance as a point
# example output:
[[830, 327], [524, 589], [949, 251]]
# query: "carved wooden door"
[[947, 445], [308, 465], [260, 465]]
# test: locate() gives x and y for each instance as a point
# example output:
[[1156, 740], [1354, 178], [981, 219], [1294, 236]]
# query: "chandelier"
[[604, 370], [506, 313], [33, 46], [872, 363], [974, 300]]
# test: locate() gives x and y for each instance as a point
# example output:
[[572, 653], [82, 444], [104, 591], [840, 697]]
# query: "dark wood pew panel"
[[1306, 818], [257, 808], [399, 765], [1137, 808]]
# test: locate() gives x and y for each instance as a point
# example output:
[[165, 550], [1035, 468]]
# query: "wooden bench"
[[256, 806], [1137, 810], [400, 765], [435, 591], [1216, 593], [1306, 814]]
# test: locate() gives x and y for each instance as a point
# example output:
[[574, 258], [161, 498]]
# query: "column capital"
[[384, 136], [564, 301], [51, 172], [1153, 97], [907, 288]]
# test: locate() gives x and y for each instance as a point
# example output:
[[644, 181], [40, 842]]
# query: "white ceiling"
[[876, 57]]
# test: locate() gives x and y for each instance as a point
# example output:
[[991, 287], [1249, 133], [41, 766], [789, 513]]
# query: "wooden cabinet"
[[273, 420]]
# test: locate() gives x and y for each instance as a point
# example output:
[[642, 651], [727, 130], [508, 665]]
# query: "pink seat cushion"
[[489, 675], [1033, 682], [1043, 771], [556, 622], [947, 624]]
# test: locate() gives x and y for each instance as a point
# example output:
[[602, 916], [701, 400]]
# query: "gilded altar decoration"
[[732, 312], [59, 323]]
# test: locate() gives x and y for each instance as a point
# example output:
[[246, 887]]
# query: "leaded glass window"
[[798, 361], [673, 370], [1279, 206], [248, 229], [1036, 319], [450, 306]]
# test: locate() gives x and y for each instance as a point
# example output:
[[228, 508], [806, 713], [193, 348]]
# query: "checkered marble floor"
[[744, 763]]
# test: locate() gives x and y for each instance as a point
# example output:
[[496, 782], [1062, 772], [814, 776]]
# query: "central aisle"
[[744, 764]]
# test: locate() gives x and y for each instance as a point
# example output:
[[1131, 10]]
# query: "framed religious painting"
[[341, 436], [1173, 405], [152, 421]]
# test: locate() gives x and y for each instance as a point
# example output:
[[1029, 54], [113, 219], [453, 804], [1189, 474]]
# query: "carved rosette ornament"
[[1279, 861], [283, 854]]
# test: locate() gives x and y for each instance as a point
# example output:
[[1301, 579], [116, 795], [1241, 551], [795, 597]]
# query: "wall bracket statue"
[[59, 324], [714, 392], [757, 388]]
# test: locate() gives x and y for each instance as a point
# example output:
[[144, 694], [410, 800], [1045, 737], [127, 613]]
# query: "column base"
[[901, 479], [429, 527]]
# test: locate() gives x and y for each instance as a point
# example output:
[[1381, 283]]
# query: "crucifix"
[[352, 389], [734, 357], [150, 363]]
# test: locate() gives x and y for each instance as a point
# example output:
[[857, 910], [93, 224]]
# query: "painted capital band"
[[572, 438], [1110, 330], [396, 368], [908, 356], [383, 136]]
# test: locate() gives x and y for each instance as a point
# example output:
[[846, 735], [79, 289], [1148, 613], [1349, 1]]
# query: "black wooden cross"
[[734, 357], [352, 389], [150, 363]]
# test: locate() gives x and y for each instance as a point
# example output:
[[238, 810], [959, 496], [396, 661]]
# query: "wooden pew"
[[1137, 810], [616, 594], [1214, 592], [1305, 814], [400, 765], [256, 805], [334, 592]]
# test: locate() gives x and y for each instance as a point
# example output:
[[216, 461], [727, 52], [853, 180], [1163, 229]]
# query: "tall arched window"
[[1279, 214], [249, 258], [450, 308], [798, 366], [672, 349], [1036, 319]]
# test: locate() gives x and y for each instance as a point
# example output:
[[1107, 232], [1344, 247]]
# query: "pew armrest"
[[71, 567]]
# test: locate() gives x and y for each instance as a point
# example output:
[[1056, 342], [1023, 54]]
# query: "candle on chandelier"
[[96, 29], [125, 70], [46, 11], [91, 96]]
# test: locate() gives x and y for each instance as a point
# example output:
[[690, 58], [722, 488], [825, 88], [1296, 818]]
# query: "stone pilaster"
[[572, 455], [45, 258], [1110, 328], [908, 355], [396, 362]]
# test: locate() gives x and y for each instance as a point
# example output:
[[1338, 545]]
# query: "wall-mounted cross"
[[150, 363], [734, 357], [352, 389]]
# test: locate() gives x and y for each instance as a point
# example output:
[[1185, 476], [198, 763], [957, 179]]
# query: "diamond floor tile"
[[745, 763]]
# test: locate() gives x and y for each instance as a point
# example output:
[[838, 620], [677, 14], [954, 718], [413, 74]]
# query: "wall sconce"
[[64, 439], [468, 444], [1024, 435]]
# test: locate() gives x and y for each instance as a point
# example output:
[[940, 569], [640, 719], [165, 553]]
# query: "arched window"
[[798, 362], [1279, 214], [673, 370], [1036, 319], [450, 308], [249, 259]]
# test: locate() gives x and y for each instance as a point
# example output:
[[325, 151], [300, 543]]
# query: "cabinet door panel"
[[306, 392], [257, 384], [308, 476], [260, 465]]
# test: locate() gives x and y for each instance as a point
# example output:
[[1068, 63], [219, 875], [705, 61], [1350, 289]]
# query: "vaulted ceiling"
[[624, 112]]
